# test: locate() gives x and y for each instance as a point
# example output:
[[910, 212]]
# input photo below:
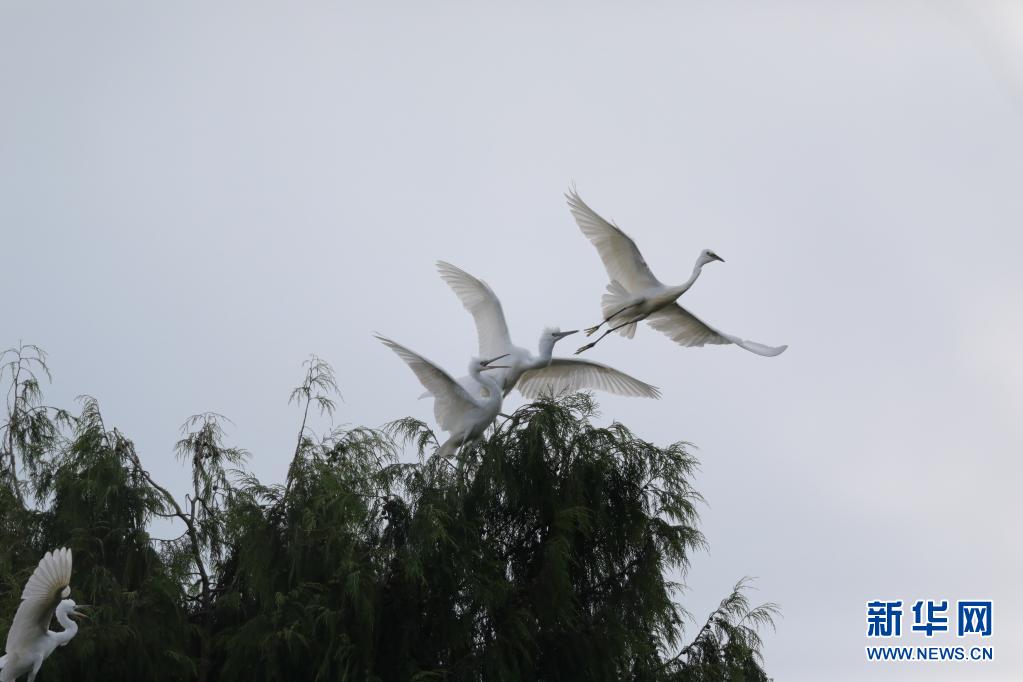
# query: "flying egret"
[[30, 641], [532, 374], [634, 294], [462, 413]]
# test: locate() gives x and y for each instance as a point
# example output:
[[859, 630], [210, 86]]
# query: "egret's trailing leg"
[[590, 331], [612, 329]]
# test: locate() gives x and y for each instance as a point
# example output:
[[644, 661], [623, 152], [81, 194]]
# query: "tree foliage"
[[545, 552]]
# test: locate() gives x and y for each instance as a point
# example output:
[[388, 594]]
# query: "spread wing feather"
[[50, 582], [621, 256], [686, 329], [481, 301], [565, 375], [450, 399]]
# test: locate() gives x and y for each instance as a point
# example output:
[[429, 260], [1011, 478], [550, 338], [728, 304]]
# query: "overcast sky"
[[195, 196]]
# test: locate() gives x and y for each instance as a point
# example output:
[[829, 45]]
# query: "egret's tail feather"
[[612, 303], [616, 298]]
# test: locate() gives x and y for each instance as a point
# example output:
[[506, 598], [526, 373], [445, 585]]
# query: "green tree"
[[30, 428], [98, 504], [544, 552], [540, 554], [200, 550]]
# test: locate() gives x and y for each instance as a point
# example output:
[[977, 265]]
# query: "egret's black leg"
[[613, 329], [591, 330]]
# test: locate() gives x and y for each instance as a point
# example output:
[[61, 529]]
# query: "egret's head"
[[555, 334], [68, 607], [477, 365], [708, 256], [551, 335]]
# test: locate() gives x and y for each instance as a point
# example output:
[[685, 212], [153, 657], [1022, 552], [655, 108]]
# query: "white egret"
[[30, 641], [634, 294], [462, 413], [532, 374]]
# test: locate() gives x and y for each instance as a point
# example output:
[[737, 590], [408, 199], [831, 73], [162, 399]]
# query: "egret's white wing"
[[470, 385], [621, 256], [450, 400], [686, 329], [50, 583], [481, 301], [566, 375]]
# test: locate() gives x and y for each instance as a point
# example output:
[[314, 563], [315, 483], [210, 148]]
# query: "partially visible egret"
[[30, 641], [462, 413], [634, 294], [532, 374]]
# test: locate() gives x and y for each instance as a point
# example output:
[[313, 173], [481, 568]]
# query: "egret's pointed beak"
[[76, 612], [487, 365], [717, 257], [561, 335]]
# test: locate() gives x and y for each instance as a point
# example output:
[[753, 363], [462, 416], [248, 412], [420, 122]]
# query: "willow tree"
[[94, 500], [198, 553], [30, 428], [30, 434], [543, 553]]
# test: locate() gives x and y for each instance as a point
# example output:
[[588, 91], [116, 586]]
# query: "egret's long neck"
[[482, 378], [494, 388], [490, 382], [69, 631], [546, 351], [692, 278]]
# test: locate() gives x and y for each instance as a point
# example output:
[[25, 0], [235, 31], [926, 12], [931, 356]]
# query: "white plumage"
[[532, 374], [568, 375], [464, 414], [30, 641], [635, 294]]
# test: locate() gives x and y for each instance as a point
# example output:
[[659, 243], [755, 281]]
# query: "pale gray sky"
[[195, 196]]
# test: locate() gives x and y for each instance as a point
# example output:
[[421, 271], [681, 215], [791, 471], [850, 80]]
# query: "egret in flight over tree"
[[532, 374], [462, 413], [30, 641], [634, 294]]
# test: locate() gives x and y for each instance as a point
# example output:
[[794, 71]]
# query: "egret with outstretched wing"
[[30, 641], [464, 414], [532, 374], [634, 294]]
